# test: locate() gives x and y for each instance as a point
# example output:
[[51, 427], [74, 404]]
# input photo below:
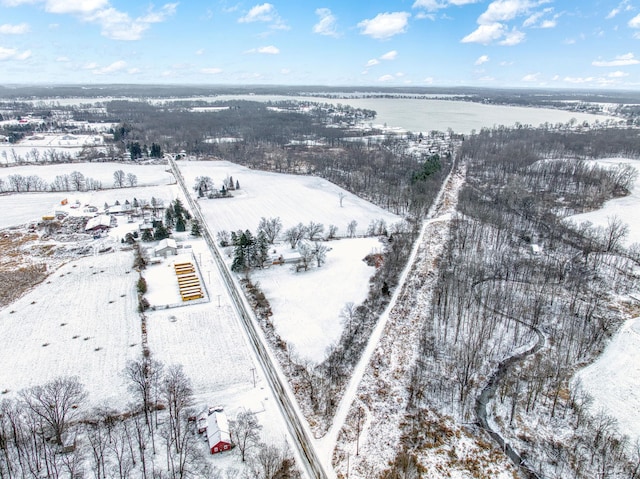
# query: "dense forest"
[[527, 317]]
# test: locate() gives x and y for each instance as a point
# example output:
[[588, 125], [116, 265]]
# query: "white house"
[[166, 247]]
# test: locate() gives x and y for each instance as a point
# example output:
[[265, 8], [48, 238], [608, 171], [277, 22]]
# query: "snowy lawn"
[[81, 321], [306, 305], [295, 199], [162, 281]]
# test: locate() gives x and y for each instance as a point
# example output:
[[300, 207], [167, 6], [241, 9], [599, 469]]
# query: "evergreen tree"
[[160, 233], [195, 229], [237, 185], [244, 250], [147, 235], [169, 217], [180, 225]]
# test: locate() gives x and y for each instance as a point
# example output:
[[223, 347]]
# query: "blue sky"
[[484, 43]]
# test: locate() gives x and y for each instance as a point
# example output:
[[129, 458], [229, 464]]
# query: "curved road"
[[291, 414]]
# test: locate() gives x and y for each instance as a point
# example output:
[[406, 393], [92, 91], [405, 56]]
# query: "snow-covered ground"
[[306, 305], [295, 199], [81, 321], [626, 208], [613, 380]]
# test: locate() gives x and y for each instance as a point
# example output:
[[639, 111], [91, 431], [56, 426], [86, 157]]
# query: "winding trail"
[[488, 392]]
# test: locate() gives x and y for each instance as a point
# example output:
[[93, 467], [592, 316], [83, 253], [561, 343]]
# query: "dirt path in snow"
[[381, 377]]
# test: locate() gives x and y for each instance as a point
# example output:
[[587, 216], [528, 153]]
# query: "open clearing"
[[295, 199]]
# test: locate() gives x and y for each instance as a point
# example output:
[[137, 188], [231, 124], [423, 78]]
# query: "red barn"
[[218, 432]]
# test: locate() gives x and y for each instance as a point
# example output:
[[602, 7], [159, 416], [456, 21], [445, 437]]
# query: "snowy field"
[[81, 321], [614, 378], [626, 208], [147, 175], [306, 305], [295, 199]]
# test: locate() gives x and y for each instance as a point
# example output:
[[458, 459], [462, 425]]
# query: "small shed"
[[98, 224], [166, 247], [218, 432]]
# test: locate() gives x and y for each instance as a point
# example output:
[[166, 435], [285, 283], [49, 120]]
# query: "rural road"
[[292, 416]]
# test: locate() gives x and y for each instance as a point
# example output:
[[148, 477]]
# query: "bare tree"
[[320, 253], [313, 230], [245, 431], [614, 233], [271, 227], [347, 314], [77, 180], [132, 180], [56, 403], [351, 228], [143, 374], [118, 178], [178, 395], [294, 234]]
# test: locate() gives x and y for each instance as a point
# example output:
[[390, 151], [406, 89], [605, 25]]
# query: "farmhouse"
[[218, 432], [166, 247], [98, 224]]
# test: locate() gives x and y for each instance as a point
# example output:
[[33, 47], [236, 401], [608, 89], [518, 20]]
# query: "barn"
[[218, 432]]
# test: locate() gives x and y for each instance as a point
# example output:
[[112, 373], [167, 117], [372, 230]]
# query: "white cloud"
[[13, 54], [373, 62], [513, 38], [635, 22], [259, 13], [285, 71], [268, 50], [482, 59], [531, 77], [134, 71], [619, 61], [389, 55], [211, 71], [18, 29], [114, 23], [428, 80], [549, 24], [438, 4], [326, 24], [200, 52], [63, 59], [624, 6], [90, 66], [618, 74], [385, 25], [505, 10], [485, 34], [579, 79], [264, 13], [385, 78], [112, 68]]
